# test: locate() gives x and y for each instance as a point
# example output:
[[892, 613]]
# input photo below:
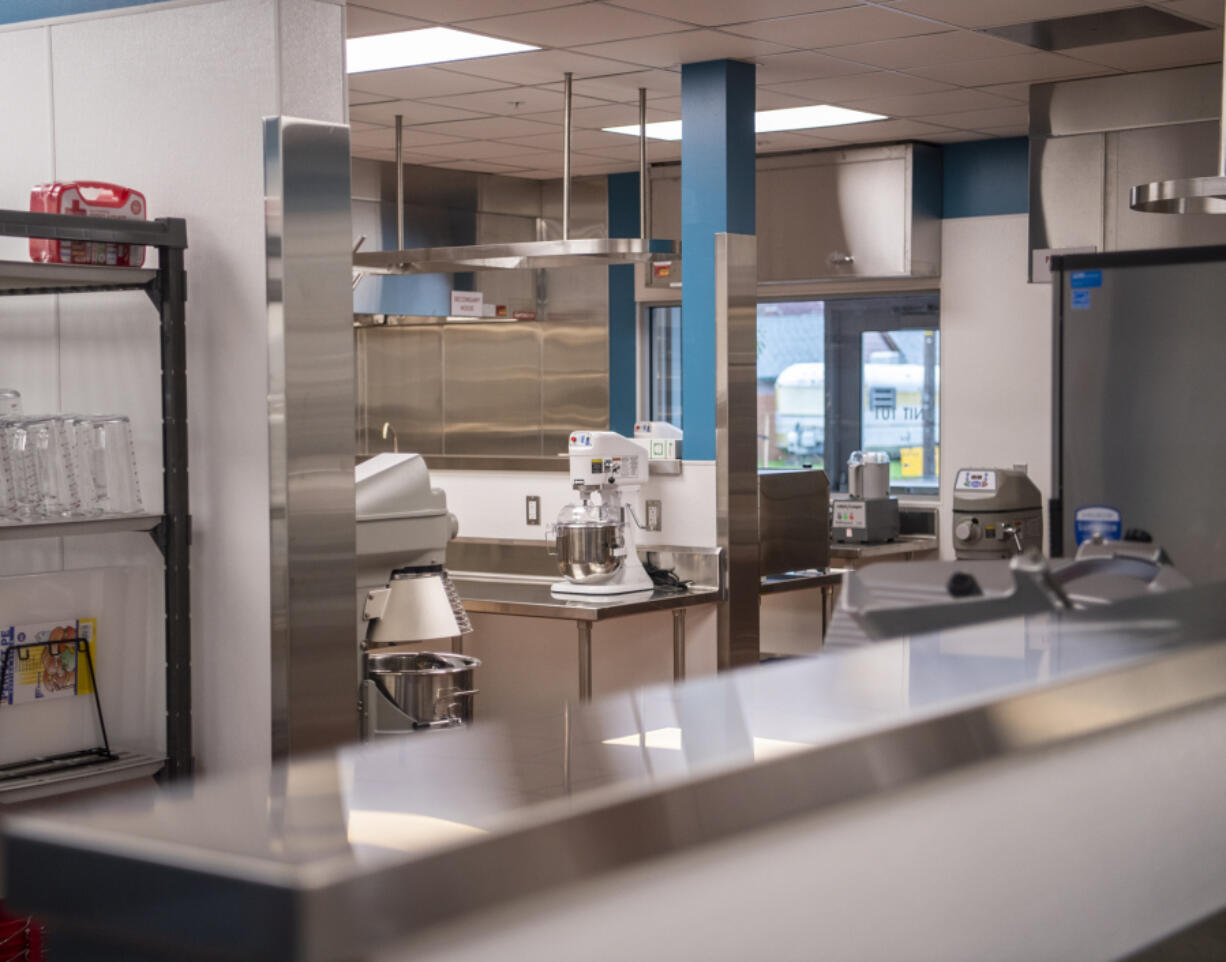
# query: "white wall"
[[169, 99], [995, 356]]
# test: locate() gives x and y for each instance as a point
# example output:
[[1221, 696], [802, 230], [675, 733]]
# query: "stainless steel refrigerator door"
[[1141, 422]]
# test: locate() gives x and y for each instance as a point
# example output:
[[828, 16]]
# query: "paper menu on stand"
[[54, 667]]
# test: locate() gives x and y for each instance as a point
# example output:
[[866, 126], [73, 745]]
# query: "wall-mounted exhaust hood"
[[528, 255], [1190, 195]]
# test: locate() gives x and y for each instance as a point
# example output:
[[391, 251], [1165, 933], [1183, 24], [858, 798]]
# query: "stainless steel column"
[[678, 644], [310, 428], [736, 430], [585, 660]]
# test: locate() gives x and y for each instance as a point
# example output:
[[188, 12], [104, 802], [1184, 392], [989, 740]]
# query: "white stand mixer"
[[595, 542]]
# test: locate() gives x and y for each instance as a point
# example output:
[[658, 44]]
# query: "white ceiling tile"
[[361, 126], [450, 11], [880, 130], [475, 150], [803, 65], [1012, 130], [613, 115], [478, 166], [943, 102], [415, 83], [982, 119], [510, 101], [1019, 92], [836, 27], [714, 13], [772, 99], [363, 21], [580, 140], [688, 46], [1177, 50], [357, 96], [411, 137], [790, 140], [540, 159], [606, 167], [572, 26], [877, 83], [538, 67], [536, 174], [1037, 67], [951, 46], [489, 128], [388, 153], [624, 87], [1206, 11], [956, 136], [413, 112], [993, 13]]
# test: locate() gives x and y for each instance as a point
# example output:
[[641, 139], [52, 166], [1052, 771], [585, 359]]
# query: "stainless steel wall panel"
[[736, 447], [588, 209], [1066, 191], [402, 385], [311, 437], [492, 403], [574, 378], [509, 195]]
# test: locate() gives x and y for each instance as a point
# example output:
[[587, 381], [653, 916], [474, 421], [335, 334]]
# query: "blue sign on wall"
[[1097, 519], [1081, 300]]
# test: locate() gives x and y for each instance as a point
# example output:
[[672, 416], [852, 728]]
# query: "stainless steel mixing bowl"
[[435, 689], [588, 552]]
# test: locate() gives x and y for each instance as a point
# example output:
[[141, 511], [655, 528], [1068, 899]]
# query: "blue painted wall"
[[17, 11], [986, 177], [623, 313], [717, 196]]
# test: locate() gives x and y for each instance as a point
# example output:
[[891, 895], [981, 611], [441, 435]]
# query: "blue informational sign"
[[1081, 300], [1085, 279], [1097, 519]]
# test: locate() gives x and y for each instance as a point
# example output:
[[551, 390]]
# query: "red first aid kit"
[[91, 199]]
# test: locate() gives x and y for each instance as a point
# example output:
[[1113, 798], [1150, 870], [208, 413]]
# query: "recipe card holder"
[[50, 764]]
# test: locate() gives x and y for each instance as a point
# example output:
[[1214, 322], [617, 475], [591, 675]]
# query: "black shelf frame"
[[167, 290]]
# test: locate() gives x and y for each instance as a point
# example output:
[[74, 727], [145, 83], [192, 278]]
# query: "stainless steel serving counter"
[[331, 857], [532, 598], [906, 548]]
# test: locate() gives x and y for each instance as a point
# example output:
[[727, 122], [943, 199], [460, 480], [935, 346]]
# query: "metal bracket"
[[160, 533]]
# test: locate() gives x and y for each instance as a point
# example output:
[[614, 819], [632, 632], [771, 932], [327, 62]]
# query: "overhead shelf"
[[71, 528], [524, 255], [27, 277]]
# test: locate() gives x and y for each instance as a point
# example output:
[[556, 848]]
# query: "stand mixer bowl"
[[588, 552]]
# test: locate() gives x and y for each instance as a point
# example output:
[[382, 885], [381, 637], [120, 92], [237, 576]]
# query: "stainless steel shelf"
[[71, 529], [128, 766], [27, 277], [581, 252]]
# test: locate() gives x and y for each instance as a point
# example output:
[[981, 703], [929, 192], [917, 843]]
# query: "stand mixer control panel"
[[604, 458]]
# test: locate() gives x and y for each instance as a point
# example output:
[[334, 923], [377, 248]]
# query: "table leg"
[[585, 660], [678, 644]]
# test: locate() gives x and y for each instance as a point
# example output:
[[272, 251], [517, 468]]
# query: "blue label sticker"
[[1081, 300], [1085, 279], [1097, 520]]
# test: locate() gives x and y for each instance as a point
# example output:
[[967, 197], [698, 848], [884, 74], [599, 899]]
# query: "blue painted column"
[[717, 196], [623, 312]]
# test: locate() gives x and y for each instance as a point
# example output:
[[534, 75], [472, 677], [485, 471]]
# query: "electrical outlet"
[[532, 509], [655, 515]]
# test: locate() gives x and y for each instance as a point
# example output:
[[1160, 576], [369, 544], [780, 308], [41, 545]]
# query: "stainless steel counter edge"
[[532, 599], [341, 917]]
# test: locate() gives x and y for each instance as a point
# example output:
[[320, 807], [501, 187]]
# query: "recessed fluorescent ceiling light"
[[767, 121], [412, 48]]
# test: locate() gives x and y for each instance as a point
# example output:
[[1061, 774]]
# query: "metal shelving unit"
[[166, 287]]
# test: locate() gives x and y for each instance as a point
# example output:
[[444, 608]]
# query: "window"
[[664, 338], [834, 376]]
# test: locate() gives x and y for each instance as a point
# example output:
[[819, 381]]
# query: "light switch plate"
[[532, 509]]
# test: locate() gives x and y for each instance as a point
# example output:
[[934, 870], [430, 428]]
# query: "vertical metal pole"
[[176, 522], [930, 404], [399, 182], [644, 186], [566, 120], [1221, 132], [585, 660], [678, 644]]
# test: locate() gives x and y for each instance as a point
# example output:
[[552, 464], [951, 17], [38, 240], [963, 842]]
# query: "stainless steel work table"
[[826, 579], [532, 598], [906, 547], [333, 856]]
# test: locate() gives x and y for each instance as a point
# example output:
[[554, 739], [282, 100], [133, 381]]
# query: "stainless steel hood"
[[528, 255], [580, 252], [1190, 195]]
